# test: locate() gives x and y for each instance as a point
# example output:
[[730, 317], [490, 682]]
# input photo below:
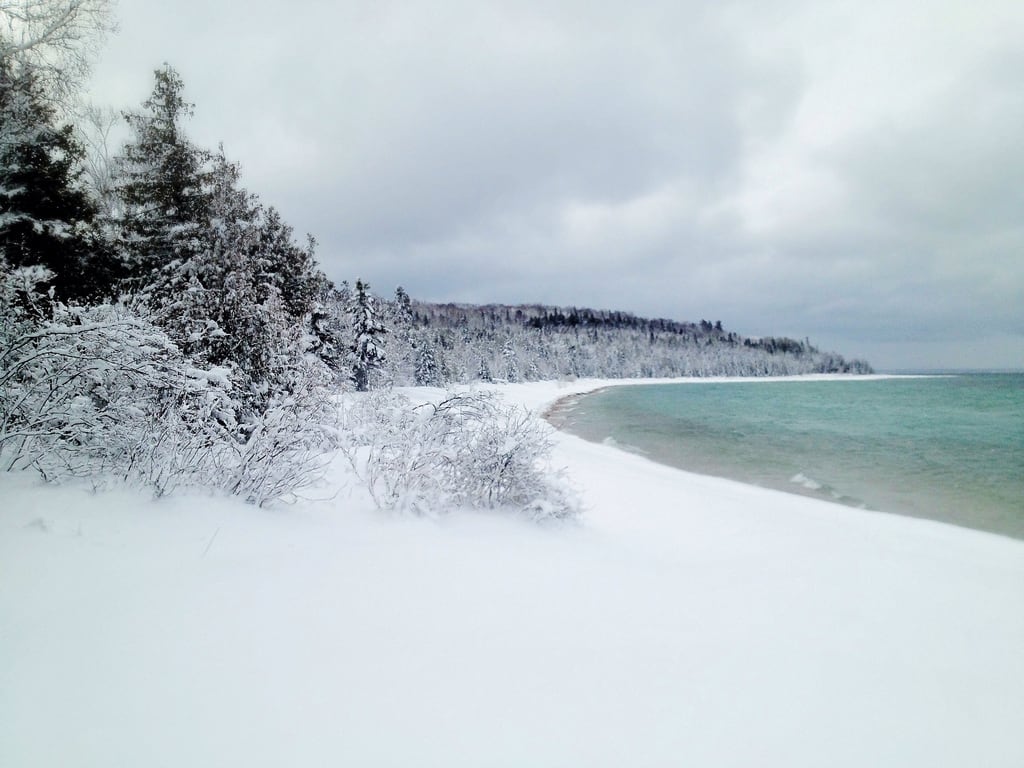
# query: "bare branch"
[[54, 40], [96, 128]]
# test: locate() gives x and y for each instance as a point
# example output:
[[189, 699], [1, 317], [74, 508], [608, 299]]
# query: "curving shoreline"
[[980, 512]]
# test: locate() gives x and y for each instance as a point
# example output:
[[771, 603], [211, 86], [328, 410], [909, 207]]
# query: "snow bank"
[[685, 620]]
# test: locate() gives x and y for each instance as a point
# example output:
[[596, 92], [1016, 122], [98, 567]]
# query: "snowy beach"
[[683, 620], [316, 447]]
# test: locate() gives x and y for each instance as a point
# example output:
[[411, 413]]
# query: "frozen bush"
[[283, 447], [467, 451], [98, 393]]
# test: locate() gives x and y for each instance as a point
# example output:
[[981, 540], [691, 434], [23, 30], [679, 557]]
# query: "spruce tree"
[[163, 184], [290, 268], [367, 351], [190, 295], [46, 216], [428, 371], [402, 353], [509, 357], [242, 298]]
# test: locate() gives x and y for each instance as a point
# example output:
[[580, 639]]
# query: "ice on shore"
[[683, 621]]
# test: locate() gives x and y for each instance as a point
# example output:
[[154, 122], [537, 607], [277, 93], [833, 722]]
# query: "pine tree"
[[46, 217], [402, 353], [289, 268], [508, 354], [428, 372], [243, 299], [163, 183], [483, 371], [367, 351], [217, 269], [329, 329]]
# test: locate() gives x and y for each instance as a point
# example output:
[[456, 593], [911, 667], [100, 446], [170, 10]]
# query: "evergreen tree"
[[508, 354], [163, 183], [244, 298], [367, 351], [330, 332], [402, 353], [46, 217], [218, 270], [403, 306], [483, 371], [203, 298], [428, 373], [289, 268]]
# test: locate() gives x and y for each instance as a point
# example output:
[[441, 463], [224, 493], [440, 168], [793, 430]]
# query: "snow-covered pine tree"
[[402, 341], [367, 350], [509, 359], [428, 372], [403, 306], [244, 298], [329, 330], [483, 370], [46, 217], [163, 184], [185, 295], [217, 269], [291, 269]]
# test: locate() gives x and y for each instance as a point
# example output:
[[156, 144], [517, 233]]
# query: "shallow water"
[[948, 448]]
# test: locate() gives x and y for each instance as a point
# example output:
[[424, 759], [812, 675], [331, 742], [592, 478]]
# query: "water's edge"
[[558, 414]]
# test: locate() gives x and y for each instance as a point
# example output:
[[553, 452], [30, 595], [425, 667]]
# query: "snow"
[[684, 620]]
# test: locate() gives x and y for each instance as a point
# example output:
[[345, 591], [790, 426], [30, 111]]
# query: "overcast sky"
[[848, 171]]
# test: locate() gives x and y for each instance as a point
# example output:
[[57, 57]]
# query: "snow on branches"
[[96, 392], [467, 451], [54, 40], [367, 351]]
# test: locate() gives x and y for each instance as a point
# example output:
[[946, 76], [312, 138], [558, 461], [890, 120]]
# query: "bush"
[[99, 393], [467, 451]]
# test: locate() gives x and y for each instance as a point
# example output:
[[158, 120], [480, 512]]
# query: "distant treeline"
[[437, 344]]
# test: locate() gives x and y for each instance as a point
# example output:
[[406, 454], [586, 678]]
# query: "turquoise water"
[[948, 448]]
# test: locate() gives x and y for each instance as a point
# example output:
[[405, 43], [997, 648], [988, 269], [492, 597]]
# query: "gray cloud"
[[848, 172]]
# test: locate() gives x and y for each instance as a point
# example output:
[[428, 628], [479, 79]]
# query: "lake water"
[[948, 448]]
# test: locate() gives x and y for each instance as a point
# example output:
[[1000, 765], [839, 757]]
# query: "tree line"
[[430, 344]]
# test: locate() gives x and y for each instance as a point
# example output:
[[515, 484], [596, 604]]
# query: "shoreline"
[[556, 413], [592, 386]]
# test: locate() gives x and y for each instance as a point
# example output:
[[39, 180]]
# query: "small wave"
[[825, 489], [611, 442], [807, 482], [560, 412]]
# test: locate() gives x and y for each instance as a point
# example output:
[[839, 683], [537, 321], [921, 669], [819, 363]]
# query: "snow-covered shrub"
[[99, 393], [178, 435], [282, 448], [74, 383], [468, 451]]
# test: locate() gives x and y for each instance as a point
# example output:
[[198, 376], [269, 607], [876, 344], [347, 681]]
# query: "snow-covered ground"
[[683, 621]]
